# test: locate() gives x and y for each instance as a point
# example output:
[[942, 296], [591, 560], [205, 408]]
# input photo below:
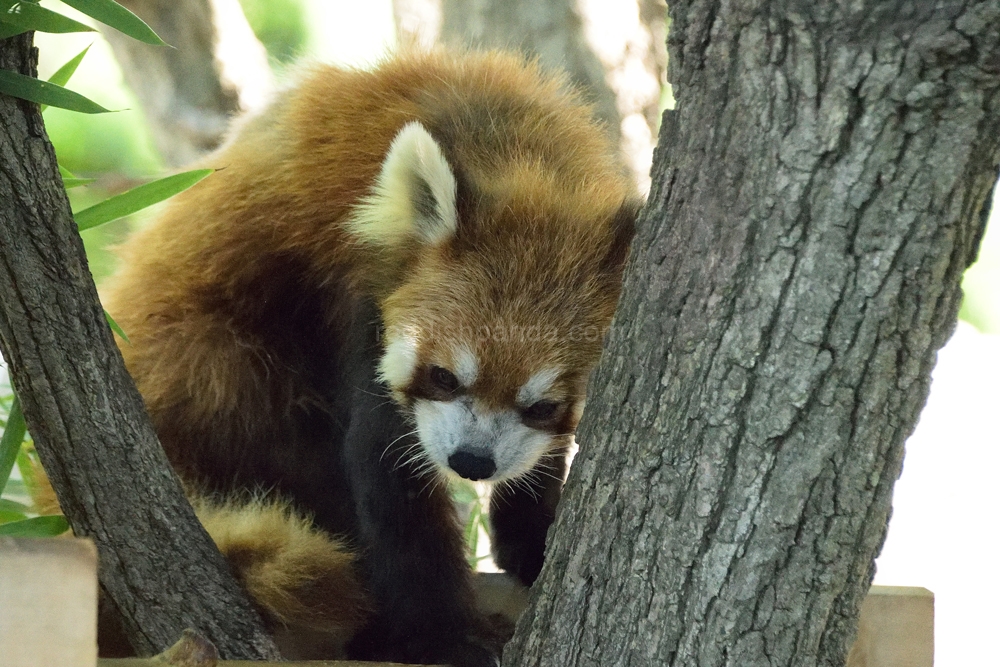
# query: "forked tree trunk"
[[158, 567], [816, 197]]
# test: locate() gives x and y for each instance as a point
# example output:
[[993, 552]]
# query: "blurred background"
[[941, 533]]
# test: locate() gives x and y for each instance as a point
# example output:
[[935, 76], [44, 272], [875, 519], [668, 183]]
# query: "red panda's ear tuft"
[[414, 196], [622, 230]]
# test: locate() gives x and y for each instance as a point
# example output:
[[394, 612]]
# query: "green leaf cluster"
[[19, 515], [17, 16], [466, 496]]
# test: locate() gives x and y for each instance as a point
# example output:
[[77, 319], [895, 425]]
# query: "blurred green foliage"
[[981, 283], [280, 25], [114, 148], [117, 148]]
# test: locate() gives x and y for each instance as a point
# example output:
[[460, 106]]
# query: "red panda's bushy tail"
[[302, 579]]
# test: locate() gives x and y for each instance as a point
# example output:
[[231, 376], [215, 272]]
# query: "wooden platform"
[[896, 629], [48, 615], [48, 602]]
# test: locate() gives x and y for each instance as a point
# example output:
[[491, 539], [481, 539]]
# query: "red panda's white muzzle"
[[457, 436]]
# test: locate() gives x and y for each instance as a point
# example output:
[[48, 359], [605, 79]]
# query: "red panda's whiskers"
[[502, 491], [434, 478], [408, 448], [538, 474], [527, 482], [412, 456]]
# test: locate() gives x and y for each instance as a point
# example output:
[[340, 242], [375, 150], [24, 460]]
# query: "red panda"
[[394, 276]]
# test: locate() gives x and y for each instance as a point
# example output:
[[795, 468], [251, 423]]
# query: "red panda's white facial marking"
[[400, 359], [461, 433], [466, 366], [478, 444], [534, 389]]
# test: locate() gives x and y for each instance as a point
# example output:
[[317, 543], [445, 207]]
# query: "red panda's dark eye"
[[444, 379], [540, 411]]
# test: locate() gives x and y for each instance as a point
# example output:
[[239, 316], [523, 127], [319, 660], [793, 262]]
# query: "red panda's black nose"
[[472, 466]]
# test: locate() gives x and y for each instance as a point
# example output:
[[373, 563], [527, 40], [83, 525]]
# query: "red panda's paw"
[[520, 553], [302, 579]]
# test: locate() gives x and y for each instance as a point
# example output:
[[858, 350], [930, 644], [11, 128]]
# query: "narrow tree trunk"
[[158, 567], [816, 197], [189, 93]]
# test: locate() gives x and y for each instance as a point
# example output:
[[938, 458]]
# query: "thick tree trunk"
[[816, 197], [189, 93], [158, 567]]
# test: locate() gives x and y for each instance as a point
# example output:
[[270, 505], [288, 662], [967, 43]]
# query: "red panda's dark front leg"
[[410, 543], [520, 516]]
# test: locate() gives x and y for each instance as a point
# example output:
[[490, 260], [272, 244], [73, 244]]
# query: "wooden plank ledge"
[[896, 629], [48, 602], [48, 616]]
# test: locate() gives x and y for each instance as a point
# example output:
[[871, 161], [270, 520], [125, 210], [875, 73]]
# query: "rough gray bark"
[[158, 567], [816, 197], [189, 93]]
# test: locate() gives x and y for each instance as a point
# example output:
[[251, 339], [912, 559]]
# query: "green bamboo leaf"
[[40, 526], [27, 470], [43, 92], [30, 16], [9, 30], [63, 74], [10, 517], [10, 443], [484, 523], [8, 505], [70, 183], [138, 198], [111, 13], [114, 327], [16, 487], [472, 534], [463, 491]]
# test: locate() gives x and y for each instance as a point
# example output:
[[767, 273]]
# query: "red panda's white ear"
[[413, 197]]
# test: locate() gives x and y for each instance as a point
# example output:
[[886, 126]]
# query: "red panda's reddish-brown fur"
[[294, 173], [237, 299]]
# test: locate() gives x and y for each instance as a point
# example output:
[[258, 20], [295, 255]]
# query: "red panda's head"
[[507, 286]]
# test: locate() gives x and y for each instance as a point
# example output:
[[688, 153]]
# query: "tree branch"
[[158, 567]]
